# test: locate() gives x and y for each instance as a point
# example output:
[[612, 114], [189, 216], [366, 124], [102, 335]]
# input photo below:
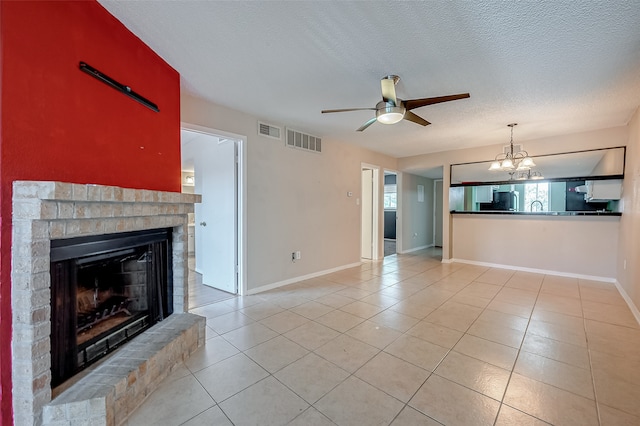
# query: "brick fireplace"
[[107, 392]]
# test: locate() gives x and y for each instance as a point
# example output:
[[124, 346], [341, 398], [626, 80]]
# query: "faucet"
[[539, 202]]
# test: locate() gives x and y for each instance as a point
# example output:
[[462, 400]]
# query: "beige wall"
[[295, 200], [603, 138], [417, 217], [575, 245], [629, 246]]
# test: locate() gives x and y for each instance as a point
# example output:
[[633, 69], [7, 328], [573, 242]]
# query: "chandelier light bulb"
[[495, 166], [507, 164], [528, 162]]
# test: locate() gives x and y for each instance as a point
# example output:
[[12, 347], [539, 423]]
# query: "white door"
[[367, 214], [215, 170]]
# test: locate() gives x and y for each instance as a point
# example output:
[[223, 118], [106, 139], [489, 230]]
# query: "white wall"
[[577, 245], [296, 200], [417, 217]]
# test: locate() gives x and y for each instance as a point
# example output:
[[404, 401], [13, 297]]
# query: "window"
[[536, 197], [390, 197]]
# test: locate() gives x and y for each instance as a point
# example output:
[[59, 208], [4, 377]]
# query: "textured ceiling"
[[555, 67]]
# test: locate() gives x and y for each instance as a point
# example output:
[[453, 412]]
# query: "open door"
[[367, 214], [216, 223], [369, 211]]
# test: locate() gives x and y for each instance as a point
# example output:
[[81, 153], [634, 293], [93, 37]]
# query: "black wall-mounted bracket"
[[118, 86]]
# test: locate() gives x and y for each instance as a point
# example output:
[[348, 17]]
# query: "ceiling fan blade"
[[327, 111], [388, 85], [408, 115], [367, 124], [417, 103]]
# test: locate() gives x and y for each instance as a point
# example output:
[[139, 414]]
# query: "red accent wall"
[[58, 123]]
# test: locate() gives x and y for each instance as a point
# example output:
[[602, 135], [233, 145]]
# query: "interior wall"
[[58, 123], [629, 249], [580, 245], [602, 138], [417, 217], [296, 200]]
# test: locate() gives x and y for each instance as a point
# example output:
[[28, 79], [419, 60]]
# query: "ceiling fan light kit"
[[387, 113], [392, 109]]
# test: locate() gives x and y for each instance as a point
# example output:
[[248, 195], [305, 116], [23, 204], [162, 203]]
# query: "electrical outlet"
[[624, 264], [298, 255], [293, 256]]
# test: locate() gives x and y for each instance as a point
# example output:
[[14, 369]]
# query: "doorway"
[[214, 160], [369, 212], [390, 203]]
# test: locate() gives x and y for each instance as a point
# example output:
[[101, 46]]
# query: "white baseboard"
[[534, 270], [625, 296], [271, 286], [415, 249]]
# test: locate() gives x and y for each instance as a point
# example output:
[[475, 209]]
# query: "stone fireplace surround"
[[108, 393]]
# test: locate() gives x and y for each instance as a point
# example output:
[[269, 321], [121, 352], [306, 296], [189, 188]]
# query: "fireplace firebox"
[[105, 290]]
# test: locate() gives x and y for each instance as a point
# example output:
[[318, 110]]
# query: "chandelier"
[[512, 162]]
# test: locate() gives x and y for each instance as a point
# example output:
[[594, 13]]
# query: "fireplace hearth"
[[98, 237], [105, 290]]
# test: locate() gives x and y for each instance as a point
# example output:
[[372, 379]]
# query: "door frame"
[[438, 203], [375, 207], [241, 194]]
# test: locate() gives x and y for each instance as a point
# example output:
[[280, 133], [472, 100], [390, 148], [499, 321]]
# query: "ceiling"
[[554, 67]]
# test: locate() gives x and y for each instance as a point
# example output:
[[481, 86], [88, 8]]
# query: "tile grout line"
[[449, 349], [518, 356], [379, 351], [431, 373], [593, 379]]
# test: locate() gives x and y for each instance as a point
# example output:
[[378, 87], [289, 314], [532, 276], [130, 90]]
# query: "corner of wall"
[[628, 272], [632, 306]]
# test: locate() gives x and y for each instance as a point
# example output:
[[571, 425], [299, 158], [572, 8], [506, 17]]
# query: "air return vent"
[[269, 130], [304, 141]]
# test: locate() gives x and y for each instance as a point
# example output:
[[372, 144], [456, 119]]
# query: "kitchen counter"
[[513, 213]]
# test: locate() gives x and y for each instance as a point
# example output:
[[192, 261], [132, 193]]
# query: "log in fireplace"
[[105, 290]]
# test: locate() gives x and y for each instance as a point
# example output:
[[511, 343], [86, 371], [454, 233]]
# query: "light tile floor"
[[411, 341], [200, 294]]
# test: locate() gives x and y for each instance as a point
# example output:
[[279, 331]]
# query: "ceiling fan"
[[391, 109]]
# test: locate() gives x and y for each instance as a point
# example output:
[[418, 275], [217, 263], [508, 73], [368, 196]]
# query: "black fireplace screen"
[[104, 291]]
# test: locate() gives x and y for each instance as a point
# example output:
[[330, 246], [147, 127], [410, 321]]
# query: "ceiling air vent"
[[304, 141], [506, 149], [268, 130]]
